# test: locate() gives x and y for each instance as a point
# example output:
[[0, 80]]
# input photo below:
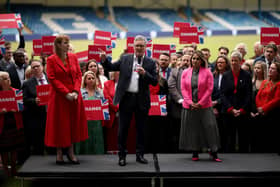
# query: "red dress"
[[66, 120]]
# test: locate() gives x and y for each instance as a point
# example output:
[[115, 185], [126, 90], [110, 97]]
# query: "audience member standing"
[[35, 116], [268, 107], [95, 143], [156, 128], [164, 69], [260, 74], [236, 96], [175, 101], [17, 70], [198, 127], [11, 130], [222, 65], [66, 118]]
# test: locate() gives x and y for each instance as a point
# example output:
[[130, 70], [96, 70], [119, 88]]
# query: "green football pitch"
[[212, 42]]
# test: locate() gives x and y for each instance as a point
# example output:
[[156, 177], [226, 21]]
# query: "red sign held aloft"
[[48, 44], [270, 35], [189, 35], [163, 48], [102, 38], [8, 21], [177, 26], [37, 47], [82, 56]]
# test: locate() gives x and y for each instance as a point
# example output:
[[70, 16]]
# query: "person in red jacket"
[[66, 118], [268, 106]]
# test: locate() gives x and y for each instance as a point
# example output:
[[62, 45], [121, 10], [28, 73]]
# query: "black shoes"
[[122, 161], [141, 159], [75, 162], [60, 162]]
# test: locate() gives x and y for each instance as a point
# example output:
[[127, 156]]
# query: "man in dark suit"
[[17, 70], [34, 115], [137, 71]]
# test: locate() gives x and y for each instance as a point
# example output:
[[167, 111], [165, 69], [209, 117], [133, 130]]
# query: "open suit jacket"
[[15, 82], [124, 65]]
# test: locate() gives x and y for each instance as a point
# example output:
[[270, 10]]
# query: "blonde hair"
[[28, 73], [2, 73], [84, 79], [264, 70]]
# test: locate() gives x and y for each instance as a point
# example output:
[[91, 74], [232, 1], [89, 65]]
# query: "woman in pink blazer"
[[198, 122]]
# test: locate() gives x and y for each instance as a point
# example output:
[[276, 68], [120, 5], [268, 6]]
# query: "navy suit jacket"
[[243, 97], [34, 115], [124, 65]]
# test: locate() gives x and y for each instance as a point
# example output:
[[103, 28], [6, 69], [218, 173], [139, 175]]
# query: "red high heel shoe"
[[215, 157], [195, 156]]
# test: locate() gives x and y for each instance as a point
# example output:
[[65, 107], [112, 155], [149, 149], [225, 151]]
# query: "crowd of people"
[[226, 106]]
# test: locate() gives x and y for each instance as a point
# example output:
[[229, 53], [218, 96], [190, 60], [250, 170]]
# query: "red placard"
[[158, 105], [130, 44], [82, 56], [10, 21], [94, 52], [188, 35], [97, 109], [102, 38], [43, 93], [8, 101], [163, 48], [270, 35], [177, 26], [37, 47], [48, 44]]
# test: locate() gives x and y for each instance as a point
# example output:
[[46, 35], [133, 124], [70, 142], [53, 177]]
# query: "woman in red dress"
[[66, 118]]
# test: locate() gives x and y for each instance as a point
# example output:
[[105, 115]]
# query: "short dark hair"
[[165, 54], [273, 46], [224, 48]]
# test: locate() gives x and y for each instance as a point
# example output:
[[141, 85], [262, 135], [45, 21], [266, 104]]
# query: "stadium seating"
[[48, 20], [33, 19], [270, 17], [233, 19], [129, 18]]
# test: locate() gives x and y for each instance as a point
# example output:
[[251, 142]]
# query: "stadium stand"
[[270, 17], [233, 19], [69, 19]]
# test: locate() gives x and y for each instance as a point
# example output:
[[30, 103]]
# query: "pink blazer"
[[205, 87]]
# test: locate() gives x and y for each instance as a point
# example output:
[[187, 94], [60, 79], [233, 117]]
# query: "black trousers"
[[236, 127], [129, 106]]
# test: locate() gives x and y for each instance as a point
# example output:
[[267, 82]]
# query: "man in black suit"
[[17, 70], [34, 115], [137, 71]]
